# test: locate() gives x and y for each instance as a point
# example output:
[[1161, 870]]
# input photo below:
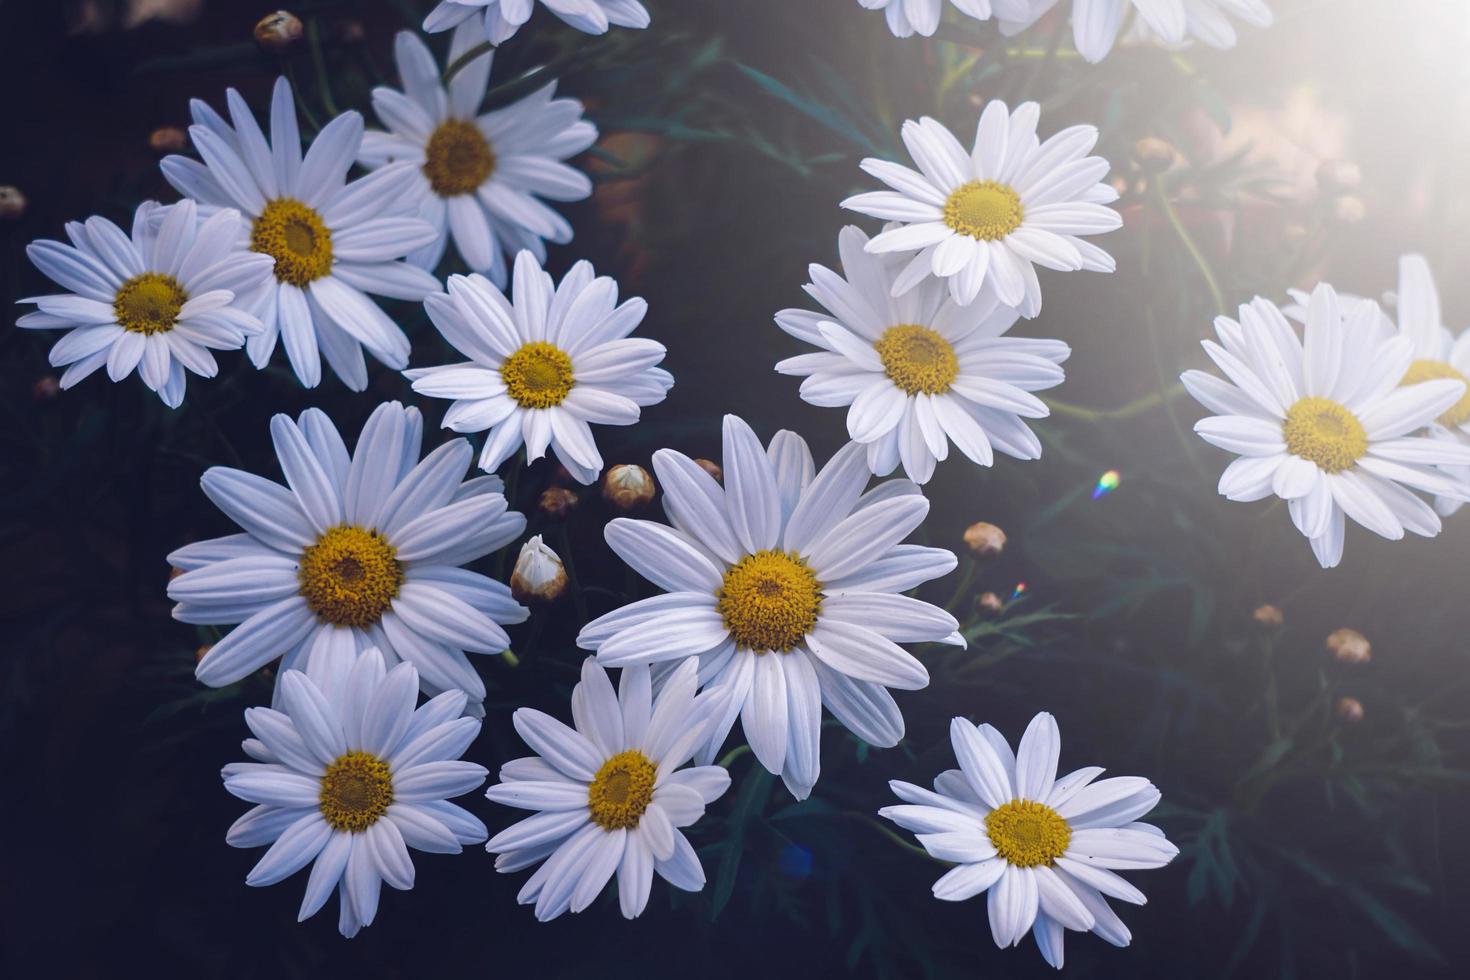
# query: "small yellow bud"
[[990, 604], [1350, 710], [168, 139], [12, 203], [1154, 155], [627, 486], [985, 540], [1348, 646], [558, 502], [1268, 616], [278, 31], [712, 468]]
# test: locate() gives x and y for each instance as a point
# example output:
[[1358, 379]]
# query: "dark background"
[[1312, 847]]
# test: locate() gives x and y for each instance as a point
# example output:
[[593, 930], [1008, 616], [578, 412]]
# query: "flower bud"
[[1349, 210], [990, 604], [1268, 616], [712, 468], [202, 652], [45, 388], [168, 139], [12, 203], [1348, 646], [1350, 710], [985, 540], [627, 486], [1154, 155], [1339, 176], [558, 502], [539, 575], [278, 31]]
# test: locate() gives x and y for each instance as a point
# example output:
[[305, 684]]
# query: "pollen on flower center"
[[539, 375], [1458, 413], [349, 576], [149, 303], [296, 237], [770, 600], [984, 209], [357, 789], [457, 158], [917, 359], [1321, 430], [621, 790], [1027, 833]]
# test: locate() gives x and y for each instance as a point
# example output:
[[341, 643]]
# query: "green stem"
[[319, 61], [1167, 207], [458, 64]]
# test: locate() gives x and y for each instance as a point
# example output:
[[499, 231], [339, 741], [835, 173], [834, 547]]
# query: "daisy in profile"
[[919, 370], [348, 777], [479, 178], [356, 551], [1044, 848], [909, 17], [785, 584], [544, 366], [333, 242], [1437, 354], [983, 219], [1326, 422], [500, 19], [610, 794], [1096, 24], [157, 300]]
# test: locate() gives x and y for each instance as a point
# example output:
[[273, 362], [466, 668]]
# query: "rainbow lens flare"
[[1106, 484]]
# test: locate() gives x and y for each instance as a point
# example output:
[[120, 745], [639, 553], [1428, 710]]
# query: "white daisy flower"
[[785, 584], [918, 370], [158, 300], [1437, 354], [1046, 849], [610, 792], [1096, 24], [980, 219], [361, 551], [544, 366], [348, 776], [502, 18], [909, 17], [333, 241], [1325, 422], [478, 177]]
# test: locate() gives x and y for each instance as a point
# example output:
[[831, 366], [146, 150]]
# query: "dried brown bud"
[[539, 575], [985, 540], [712, 468], [1268, 616], [990, 604], [202, 651], [12, 203], [1339, 176], [278, 31], [168, 139], [1349, 210], [1154, 155], [627, 486], [45, 388], [558, 502], [1350, 710], [1348, 646]]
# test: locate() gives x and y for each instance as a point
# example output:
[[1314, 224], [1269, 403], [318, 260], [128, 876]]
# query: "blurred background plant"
[[1315, 778]]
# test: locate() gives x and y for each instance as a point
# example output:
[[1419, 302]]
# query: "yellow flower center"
[[770, 601], [1321, 430], [357, 789], [539, 375], [621, 790], [918, 359], [984, 209], [350, 576], [458, 158], [296, 237], [149, 303], [1458, 413], [1027, 834]]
